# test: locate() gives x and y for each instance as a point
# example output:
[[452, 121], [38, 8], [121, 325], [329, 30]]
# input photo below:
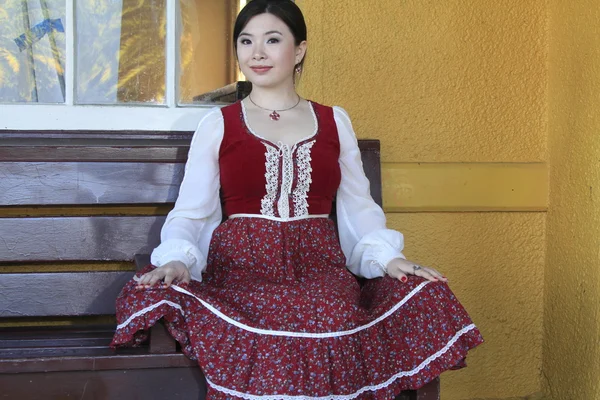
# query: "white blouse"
[[186, 234]]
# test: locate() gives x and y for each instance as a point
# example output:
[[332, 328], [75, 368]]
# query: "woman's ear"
[[300, 51]]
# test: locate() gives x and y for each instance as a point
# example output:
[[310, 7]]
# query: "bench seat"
[[94, 200]]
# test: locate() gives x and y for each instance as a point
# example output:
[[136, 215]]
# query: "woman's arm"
[[186, 234], [371, 249], [368, 245]]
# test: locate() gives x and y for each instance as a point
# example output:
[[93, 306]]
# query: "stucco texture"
[[572, 282], [495, 265], [453, 81]]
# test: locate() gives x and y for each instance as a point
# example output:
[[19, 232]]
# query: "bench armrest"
[[141, 261], [431, 391]]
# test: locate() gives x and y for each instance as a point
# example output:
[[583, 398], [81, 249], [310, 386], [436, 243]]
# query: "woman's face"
[[267, 52]]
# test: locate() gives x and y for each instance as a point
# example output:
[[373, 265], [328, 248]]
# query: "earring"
[[298, 69]]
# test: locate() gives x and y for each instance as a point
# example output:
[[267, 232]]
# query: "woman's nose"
[[259, 54]]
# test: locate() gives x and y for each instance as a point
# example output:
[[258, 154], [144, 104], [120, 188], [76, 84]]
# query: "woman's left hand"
[[398, 268]]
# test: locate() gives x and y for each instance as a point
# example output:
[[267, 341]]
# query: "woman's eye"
[[273, 40], [245, 41]]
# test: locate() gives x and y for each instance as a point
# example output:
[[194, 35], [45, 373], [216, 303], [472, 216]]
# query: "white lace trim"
[[148, 309], [271, 332], [283, 204], [272, 172], [267, 332], [351, 396], [304, 179], [271, 175], [292, 219], [354, 395], [311, 335]]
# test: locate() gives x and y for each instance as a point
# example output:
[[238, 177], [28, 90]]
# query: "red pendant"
[[275, 116]]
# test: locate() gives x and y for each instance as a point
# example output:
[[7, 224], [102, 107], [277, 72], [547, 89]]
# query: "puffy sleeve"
[[366, 242], [188, 229]]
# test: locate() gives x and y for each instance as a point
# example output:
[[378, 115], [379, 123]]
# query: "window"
[[114, 64]]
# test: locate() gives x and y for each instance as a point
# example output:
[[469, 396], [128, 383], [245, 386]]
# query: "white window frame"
[[70, 116]]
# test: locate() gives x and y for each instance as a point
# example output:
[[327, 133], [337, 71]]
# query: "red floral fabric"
[[278, 316]]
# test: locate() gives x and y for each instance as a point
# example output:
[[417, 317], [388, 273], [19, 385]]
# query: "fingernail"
[[404, 279]]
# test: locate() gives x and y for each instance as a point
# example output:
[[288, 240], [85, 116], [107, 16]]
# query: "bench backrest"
[[91, 198]]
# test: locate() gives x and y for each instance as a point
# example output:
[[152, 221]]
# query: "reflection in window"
[[120, 51], [207, 61], [32, 51]]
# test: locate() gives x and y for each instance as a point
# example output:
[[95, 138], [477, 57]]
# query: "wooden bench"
[[75, 210]]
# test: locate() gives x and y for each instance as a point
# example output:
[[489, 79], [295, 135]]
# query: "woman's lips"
[[261, 70]]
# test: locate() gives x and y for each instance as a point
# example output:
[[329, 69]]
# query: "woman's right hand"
[[174, 271]]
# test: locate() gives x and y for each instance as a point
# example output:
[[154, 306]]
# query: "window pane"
[[32, 51], [120, 51], [207, 61]]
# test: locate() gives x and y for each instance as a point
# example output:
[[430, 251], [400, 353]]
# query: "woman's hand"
[[398, 268], [172, 271]]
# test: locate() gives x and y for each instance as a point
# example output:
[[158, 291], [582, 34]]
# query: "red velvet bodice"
[[256, 172]]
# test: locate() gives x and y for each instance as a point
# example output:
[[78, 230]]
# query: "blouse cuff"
[[183, 251], [378, 249]]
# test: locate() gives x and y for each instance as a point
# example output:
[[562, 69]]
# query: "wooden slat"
[[94, 154], [84, 210], [155, 384], [120, 361], [63, 342], [55, 332], [95, 146], [77, 238], [60, 294], [91, 183], [83, 183], [88, 137], [56, 351]]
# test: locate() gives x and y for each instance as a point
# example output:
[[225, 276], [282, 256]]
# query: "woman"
[[264, 301]]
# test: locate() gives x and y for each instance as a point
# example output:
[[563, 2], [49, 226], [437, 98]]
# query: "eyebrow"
[[266, 33]]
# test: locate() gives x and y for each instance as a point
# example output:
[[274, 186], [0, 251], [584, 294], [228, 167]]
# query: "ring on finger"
[[417, 267]]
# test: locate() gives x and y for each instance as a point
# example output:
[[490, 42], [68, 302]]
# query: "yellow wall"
[[572, 282], [456, 92]]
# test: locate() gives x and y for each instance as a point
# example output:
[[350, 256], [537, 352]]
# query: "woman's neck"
[[274, 98]]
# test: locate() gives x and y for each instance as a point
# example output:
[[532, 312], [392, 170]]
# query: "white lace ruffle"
[[304, 179], [287, 179], [299, 195], [271, 175], [308, 335], [147, 310], [372, 388], [269, 332], [424, 364]]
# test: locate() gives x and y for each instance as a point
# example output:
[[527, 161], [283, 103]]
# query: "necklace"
[[275, 115]]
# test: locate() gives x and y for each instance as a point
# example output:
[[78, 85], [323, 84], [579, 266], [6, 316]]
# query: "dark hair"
[[285, 10]]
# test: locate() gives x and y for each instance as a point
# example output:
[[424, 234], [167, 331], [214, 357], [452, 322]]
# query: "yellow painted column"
[[572, 283]]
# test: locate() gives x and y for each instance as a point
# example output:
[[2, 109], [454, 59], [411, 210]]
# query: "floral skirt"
[[278, 316]]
